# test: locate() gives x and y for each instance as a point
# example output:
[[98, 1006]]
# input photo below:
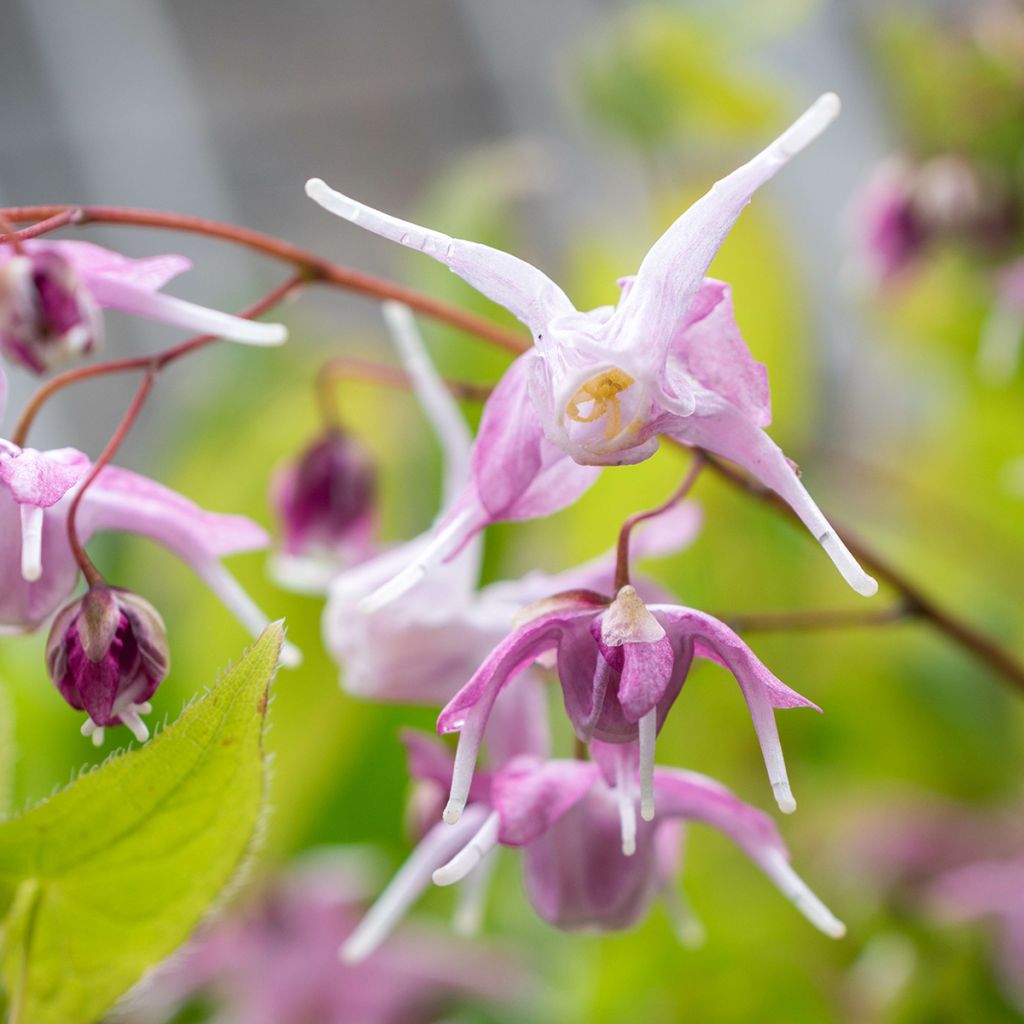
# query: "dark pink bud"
[[325, 499], [107, 654], [46, 314]]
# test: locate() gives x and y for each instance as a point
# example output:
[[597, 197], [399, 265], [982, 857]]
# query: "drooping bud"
[[47, 315], [325, 499], [107, 654]]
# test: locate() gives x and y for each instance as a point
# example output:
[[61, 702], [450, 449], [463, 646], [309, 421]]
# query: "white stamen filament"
[[472, 898], [90, 728], [398, 585], [31, 542], [412, 878], [794, 888], [242, 606], [648, 729], [136, 726], [465, 762], [470, 856], [808, 126], [627, 807]]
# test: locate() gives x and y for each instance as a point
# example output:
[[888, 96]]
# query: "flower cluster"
[[599, 833], [107, 651]]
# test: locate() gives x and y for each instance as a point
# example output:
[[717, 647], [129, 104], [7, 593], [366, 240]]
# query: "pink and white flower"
[[598, 388], [421, 647], [621, 665], [567, 821], [52, 294], [37, 565]]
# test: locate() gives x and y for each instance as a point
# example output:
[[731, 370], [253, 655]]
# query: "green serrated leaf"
[[112, 874]]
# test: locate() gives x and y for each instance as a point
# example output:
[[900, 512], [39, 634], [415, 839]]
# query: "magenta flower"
[[325, 501], [423, 646], [274, 960], [37, 566], [107, 654], [599, 387], [621, 665], [567, 821], [51, 295], [891, 234]]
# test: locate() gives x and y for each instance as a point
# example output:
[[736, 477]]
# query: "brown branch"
[[914, 600], [816, 618], [315, 267]]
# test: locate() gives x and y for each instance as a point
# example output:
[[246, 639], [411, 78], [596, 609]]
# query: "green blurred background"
[[894, 432]]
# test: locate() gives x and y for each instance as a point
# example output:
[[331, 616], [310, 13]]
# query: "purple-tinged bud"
[[107, 654], [325, 499], [47, 315]]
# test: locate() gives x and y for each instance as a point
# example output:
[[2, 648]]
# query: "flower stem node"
[[107, 654]]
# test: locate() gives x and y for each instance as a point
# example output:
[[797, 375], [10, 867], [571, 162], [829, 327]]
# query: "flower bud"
[[107, 654], [325, 499], [47, 315]]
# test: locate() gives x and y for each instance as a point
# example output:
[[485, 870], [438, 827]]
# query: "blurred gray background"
[[225, 109]]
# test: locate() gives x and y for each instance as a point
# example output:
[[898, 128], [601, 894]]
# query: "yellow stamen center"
[[603, 392]]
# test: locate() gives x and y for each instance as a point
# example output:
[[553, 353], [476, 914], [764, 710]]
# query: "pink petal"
[[672, 271], [41, 478], [89, 260], [530, 795], [697, 798], [121, 500], [721, 428], [114, 293], [761, 689], [710, 348], [511, 282]]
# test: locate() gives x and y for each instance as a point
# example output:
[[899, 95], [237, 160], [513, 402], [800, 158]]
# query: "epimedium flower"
[[621, 665], [37, 566], [52, 294], [566, 820], [423, 646], [107, 654], [598, 388]]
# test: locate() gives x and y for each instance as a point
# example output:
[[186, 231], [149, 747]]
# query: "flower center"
[[601, 393]]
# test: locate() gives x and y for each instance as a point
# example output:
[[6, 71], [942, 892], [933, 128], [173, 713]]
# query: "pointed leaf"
[[112, 874]]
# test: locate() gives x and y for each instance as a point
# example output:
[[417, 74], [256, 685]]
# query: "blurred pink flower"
[[51, 294], [587, 863], [275, 961], [598, 387]]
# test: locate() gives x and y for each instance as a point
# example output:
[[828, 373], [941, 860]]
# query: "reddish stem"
[[91, 573], [622, 552], [315, 267], [154, 362]]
